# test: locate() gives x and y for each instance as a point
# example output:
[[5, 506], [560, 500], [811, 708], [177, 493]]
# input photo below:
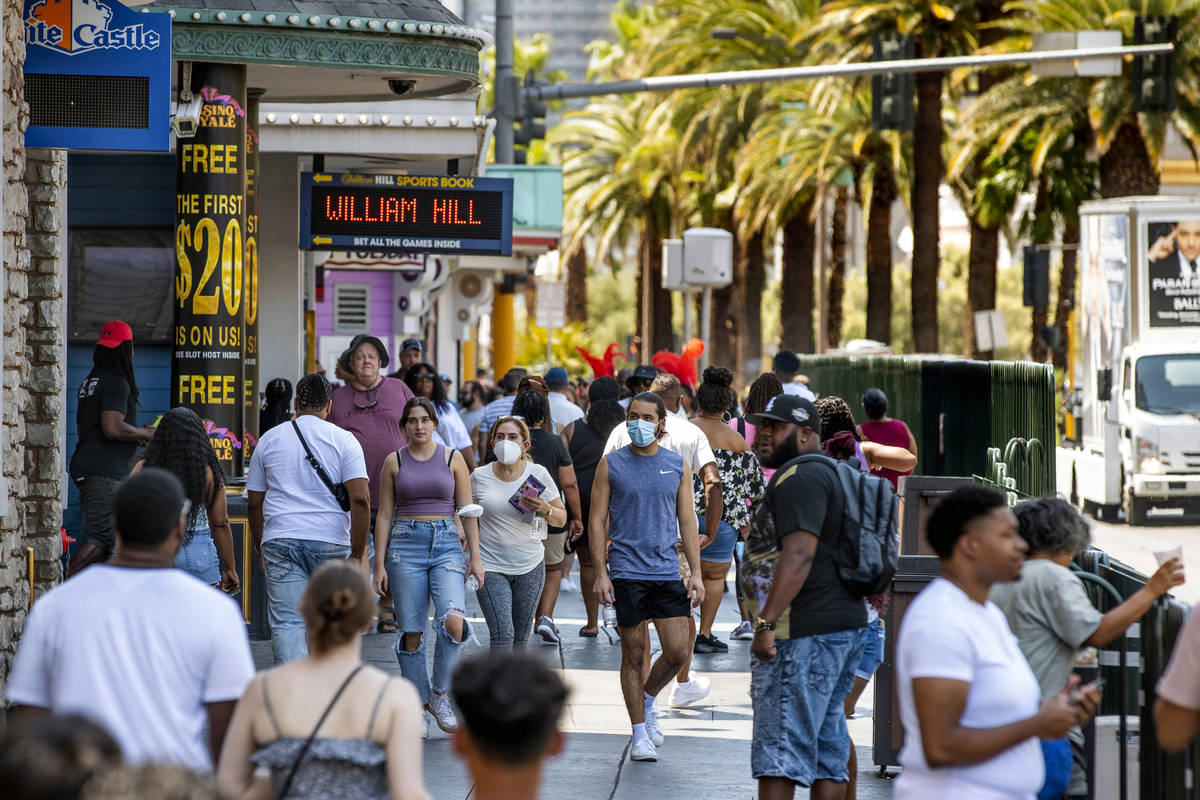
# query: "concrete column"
[[504, 340], [281, 317], [210, 225]]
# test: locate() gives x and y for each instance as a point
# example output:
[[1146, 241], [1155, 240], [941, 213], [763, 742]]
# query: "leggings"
[[508, 603]]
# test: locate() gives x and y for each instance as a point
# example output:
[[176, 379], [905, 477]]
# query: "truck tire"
[[1134, 508]]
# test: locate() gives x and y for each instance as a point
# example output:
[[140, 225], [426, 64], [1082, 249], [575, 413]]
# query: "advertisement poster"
[[207, 369], [250, 269], [1174, 280]]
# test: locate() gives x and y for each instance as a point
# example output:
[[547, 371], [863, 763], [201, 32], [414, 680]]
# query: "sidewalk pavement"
[[707, 751]]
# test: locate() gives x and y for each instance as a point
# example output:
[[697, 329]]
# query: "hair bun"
[[718, 375], [339, 604]]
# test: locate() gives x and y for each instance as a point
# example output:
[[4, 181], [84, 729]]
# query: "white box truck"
[[1137, 439]]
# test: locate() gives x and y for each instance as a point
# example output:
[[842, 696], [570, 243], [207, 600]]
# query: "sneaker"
[[696, 689], [653, 730], [545, 628], [568, 585], [424, 725], [439, 706], [643, 750], [709, 644], [743, 632]]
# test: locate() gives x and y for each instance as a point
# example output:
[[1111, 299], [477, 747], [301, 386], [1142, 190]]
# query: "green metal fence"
[[957, 409]]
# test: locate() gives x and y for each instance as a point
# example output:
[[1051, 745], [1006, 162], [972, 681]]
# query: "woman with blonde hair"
[[520, 502], [327, 725]]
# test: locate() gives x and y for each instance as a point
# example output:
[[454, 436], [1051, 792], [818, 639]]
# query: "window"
[[351, 308], [121, 274]]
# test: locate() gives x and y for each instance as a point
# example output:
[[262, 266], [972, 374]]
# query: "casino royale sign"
[[406, 213]]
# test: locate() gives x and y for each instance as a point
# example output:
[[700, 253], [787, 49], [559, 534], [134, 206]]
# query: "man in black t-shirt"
[[806, 640], [106, 421]]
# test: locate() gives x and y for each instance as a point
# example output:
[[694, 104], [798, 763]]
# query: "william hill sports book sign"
[[406, 213]]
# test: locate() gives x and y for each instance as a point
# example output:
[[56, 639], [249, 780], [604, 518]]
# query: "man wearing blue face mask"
[[644, 494]]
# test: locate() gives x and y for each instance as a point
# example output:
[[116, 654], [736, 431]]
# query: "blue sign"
[[97, 76], [406, 213]]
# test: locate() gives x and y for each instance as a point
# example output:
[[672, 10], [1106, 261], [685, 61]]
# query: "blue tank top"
[[643, 523]]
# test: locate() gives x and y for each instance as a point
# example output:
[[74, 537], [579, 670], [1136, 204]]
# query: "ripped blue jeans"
[[425, 561]]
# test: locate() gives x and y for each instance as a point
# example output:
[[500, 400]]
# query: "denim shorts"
[[872, 656], [799, 721], [198, 556], [720, 549]]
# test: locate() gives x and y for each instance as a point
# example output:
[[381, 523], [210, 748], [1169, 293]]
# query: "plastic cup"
[[1163, 556]]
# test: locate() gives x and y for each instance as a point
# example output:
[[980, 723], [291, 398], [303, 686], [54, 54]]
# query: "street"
[[1135, 545]]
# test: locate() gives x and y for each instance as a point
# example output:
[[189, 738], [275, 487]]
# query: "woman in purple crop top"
[[421, 486]]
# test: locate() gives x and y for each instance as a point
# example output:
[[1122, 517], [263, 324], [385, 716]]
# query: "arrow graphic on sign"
[[322, 240], [322, 178]]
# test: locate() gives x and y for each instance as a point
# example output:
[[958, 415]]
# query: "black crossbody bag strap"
[[287, 784], [321, 473]]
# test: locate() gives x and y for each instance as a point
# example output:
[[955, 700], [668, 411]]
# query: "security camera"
[[185, 117], [400, 86]]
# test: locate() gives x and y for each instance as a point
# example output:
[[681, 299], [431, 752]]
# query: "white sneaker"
[[568, 585], [424, 725], [643, 750], [439, 706], [693, 691], [545, 628], [743, 631], [653, 730]]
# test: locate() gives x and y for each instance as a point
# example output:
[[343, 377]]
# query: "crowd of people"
[[380, 504]]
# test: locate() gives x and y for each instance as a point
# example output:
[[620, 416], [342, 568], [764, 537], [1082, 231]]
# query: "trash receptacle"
[[254, 592]]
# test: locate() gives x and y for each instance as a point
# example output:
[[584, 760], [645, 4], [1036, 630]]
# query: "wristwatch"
[[761, 624]]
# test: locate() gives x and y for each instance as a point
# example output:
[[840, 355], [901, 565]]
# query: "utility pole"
[[505, 86]]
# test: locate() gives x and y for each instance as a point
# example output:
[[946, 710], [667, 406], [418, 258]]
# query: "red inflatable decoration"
[[602, 367]]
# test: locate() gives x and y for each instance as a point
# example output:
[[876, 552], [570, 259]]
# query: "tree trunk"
[[836, 287], [1066, 287], [749, 357], [655, 302], [879, 256], [926, 179], [796, 281], [1042, 235], [1126, 168], [577, 310], [981, 283]]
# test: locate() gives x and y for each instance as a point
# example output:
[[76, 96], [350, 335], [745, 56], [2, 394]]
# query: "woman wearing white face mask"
[[513, 491]]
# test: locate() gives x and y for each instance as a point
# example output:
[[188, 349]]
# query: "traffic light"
[[1154, 75], [892, 93], [531, 122], [1037, 277]]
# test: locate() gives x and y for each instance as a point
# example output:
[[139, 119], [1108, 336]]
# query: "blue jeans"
[[872, 657], [425, 560], [799, 721], [287, 566], [198, 556]]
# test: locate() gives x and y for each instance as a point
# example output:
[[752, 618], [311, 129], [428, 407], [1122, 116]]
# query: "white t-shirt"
[[682, 438], [451, 429], [298, 504], [505, 544], [562, 410], [139, 651], [944, 634], [799, 389]]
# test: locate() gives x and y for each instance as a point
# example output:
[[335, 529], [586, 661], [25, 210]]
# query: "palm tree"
[[1130, 146], [846, 32]]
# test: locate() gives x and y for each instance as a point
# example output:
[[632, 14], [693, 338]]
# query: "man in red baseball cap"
[[108, 438]]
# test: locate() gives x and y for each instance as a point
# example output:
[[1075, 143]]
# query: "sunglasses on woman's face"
[[423, 376]]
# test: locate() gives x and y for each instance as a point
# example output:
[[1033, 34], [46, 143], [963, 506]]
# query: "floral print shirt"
[[741, 484]]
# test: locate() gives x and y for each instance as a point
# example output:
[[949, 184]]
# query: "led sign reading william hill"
[[406, 213]]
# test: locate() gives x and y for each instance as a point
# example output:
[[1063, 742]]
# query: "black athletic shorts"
[[638, 601]]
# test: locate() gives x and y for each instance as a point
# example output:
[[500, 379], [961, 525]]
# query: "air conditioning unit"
[[470, 292], [707, 257]]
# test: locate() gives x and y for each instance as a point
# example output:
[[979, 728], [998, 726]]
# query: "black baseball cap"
[[644, 372], [791, 409]]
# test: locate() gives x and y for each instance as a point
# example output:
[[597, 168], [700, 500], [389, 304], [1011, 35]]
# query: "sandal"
[[387, 626], [589, 633]]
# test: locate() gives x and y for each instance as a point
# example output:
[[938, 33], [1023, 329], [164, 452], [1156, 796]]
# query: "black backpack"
[[868, 550]]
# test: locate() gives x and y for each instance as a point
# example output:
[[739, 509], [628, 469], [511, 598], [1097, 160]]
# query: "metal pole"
[[706, 326], [687, 316], [711, 79], [506, 102], [549, 348]]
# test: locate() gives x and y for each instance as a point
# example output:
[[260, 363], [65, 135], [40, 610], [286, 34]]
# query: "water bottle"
[[538, 529], [610, 615], [472, 583]]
